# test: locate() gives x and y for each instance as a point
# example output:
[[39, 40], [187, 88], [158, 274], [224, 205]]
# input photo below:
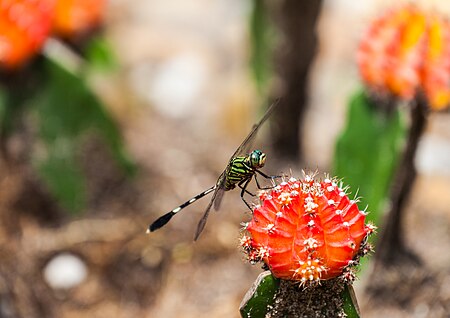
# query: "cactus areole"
[[307, 231]]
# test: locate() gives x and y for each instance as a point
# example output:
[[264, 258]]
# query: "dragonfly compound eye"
[[258, 159]]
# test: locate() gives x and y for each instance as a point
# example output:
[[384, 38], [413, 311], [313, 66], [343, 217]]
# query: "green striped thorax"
[[242, 168]]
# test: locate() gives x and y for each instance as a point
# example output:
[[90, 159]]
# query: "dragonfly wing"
[[202, 222], [219, 197], [245, 145], [220, 185], [220, 188]]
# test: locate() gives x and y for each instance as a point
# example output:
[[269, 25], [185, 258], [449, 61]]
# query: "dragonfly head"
[[257, 159]]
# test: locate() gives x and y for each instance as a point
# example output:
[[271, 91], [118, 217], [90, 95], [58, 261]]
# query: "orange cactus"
[[406, 53], [24, 26], [74, 17], [307, 231], [435, 74]]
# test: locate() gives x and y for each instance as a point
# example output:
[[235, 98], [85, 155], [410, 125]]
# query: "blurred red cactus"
[[24, 26], [307, 231], [406, 53], [75, 17]]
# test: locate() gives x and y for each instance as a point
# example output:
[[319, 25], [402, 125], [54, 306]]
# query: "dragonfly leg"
[[267, 177], [243, 185]]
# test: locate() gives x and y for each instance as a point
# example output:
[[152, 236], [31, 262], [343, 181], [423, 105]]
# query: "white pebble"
[[65, 271]]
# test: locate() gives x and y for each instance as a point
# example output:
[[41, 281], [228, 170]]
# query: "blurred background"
[[176, 86]]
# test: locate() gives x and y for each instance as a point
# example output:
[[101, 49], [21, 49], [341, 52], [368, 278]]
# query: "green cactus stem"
[[273, 298], [260, 297]]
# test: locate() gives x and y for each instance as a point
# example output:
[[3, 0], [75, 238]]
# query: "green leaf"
[[261, 39], [13, 98], [63, 175], [260, 297], [99, 54], [66, 111], [8, 114], [4, 109], [367, 152], [350, 304]]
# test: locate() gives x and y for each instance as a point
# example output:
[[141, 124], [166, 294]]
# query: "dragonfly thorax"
[[257, 159]]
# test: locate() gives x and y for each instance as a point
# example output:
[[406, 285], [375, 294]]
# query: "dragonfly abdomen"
[[161, 221]]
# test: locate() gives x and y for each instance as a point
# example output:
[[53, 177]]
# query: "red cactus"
[[24, 26], [74, 17], [307, 231]]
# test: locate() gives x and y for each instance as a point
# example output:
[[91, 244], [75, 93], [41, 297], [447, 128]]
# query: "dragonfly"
[[242, 167]]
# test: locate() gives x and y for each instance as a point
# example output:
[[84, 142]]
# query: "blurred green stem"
[[261, 45], [368, 150]]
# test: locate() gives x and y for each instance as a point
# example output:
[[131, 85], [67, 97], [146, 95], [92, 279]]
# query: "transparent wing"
[[221, 188], [220, 185], [245, 145], [202, 222]]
